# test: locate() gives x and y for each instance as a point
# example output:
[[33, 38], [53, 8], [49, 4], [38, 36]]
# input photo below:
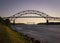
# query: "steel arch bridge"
[[31, 14]]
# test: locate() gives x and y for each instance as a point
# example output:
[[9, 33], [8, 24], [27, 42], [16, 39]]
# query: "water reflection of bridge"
[[32, 14]]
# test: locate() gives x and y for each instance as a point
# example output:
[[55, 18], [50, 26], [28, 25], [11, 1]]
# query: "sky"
[[11, 7]]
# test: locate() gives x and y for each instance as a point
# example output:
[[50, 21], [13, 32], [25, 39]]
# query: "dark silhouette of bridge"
[[31, 14]]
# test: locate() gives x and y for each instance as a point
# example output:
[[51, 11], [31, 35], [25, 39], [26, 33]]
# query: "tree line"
[[5, 21]]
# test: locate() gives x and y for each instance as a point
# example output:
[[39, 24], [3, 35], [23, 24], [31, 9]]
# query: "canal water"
[[44, 33]]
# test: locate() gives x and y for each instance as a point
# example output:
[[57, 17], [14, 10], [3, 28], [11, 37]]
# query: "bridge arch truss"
[[33, 12]]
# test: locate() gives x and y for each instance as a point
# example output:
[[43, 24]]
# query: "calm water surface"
[[45, 33]]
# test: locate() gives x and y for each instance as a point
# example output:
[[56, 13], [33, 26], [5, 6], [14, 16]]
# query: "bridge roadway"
[[47, 18], [45, 33], [32, 17]]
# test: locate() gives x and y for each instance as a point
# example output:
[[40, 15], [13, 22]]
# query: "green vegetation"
[[7, 35]]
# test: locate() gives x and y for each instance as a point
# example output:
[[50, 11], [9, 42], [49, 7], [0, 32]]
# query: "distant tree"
[[7, 22], [1, 20]]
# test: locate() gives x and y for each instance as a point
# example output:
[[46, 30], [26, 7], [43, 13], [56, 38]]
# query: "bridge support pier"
[[13, 21], [47, 21]]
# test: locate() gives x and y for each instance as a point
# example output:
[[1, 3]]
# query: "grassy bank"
[[9, 36]]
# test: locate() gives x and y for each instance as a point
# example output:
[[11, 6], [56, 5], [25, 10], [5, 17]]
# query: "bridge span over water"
[[32, 14]]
